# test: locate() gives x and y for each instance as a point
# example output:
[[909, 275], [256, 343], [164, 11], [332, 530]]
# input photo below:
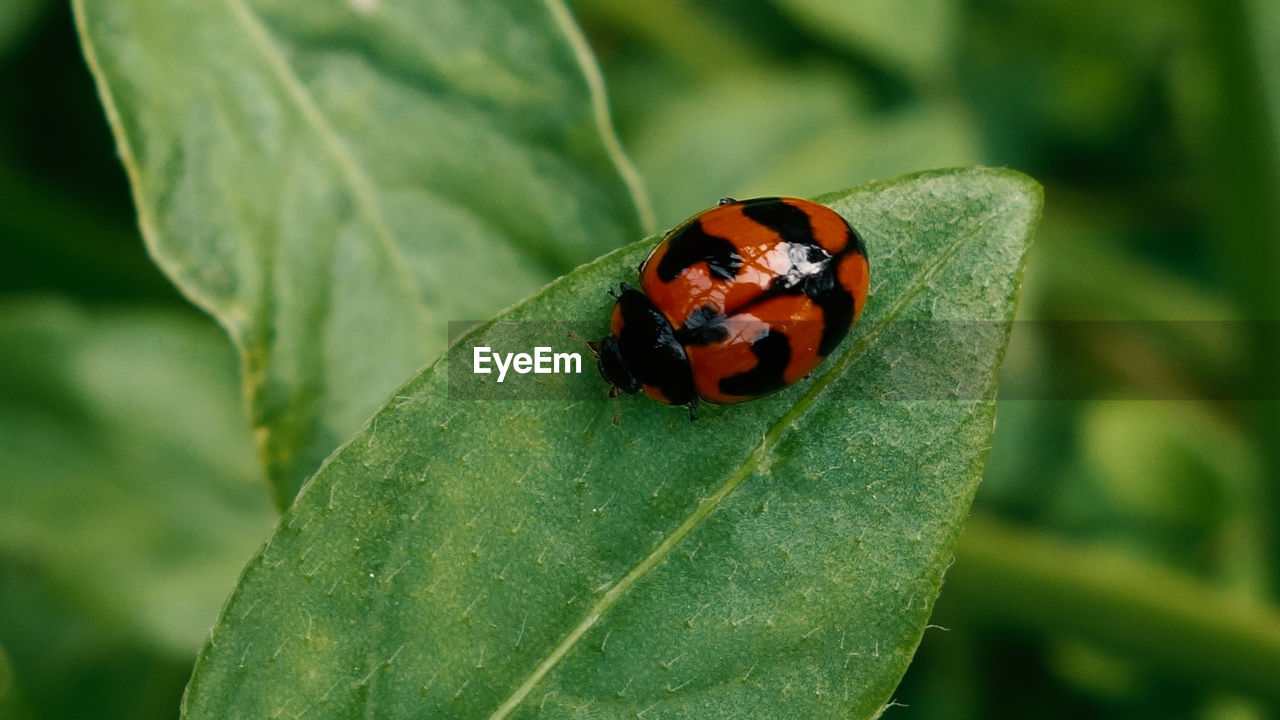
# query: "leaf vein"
[[358, 181], [600, 113]]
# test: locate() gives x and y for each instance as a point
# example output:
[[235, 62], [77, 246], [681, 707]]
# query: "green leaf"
[[718, 135], [73, 661], [9, 700], [129, 484], [1264, 27], [526, 558], [916, 35], [334, 181], [17, 18], [1205, 635]]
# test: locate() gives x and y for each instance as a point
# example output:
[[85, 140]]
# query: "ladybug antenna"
[[594, 347]]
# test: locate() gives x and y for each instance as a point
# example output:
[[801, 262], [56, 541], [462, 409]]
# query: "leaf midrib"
[[754, 462], [600, 113], [357, 180]]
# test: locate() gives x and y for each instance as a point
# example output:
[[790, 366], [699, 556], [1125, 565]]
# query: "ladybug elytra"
[[737, 302]]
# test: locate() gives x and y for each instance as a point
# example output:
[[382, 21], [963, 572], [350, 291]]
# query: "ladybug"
[[737, 302]]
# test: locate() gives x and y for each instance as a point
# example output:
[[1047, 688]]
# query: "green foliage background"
[[1123, 558]]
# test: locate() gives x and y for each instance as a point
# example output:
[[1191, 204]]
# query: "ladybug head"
[[609, 362], [612, 368]]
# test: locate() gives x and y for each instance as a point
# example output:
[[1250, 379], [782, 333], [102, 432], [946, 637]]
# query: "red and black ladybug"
[[737, 302]]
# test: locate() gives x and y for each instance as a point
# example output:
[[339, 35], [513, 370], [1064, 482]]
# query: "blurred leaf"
[[1086, 272], [55, 240], [1264, 26], [740, 135], [335, 180], [17, 17], [129, 480], [1095, 672], [1167, 463], [1076, 86], [690, 36], [1184, 338], [495, 559], [916, 35], [10, 704], [1170, 481], [1142, 611], [1243, 169], [1028, 452], [69, 665]]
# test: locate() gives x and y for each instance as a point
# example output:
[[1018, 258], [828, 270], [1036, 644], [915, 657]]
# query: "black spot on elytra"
[[790, 222], [837, 311], [704, 326], [855, 241], [693, 245], [773, 352]]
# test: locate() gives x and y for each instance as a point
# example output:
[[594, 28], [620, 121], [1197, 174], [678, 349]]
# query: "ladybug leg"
[[622, 287], [617, 408], [726, 201], [693, 408]]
